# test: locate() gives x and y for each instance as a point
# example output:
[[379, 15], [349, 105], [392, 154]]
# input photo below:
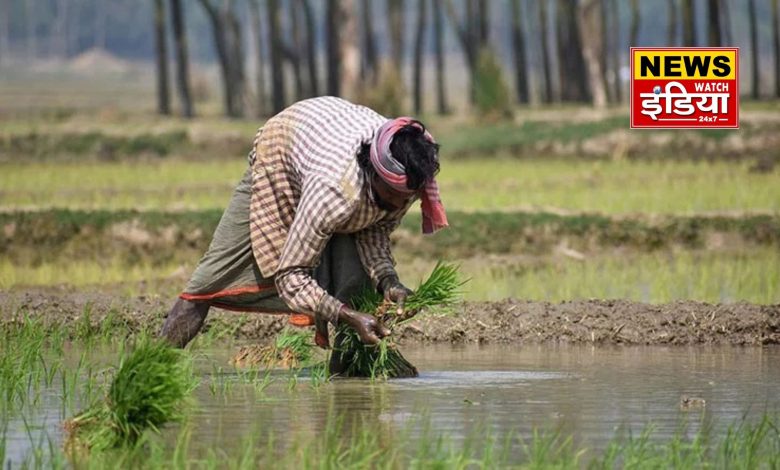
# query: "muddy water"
[[588, 392], [584, 391]]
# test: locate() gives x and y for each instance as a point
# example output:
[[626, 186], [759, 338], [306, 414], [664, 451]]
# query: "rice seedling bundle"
[[292, 349], [148, 390], [440, 291]]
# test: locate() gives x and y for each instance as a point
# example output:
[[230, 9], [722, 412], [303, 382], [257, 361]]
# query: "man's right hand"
[[368, 327]]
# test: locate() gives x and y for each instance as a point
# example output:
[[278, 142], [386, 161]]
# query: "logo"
[[684, 87]]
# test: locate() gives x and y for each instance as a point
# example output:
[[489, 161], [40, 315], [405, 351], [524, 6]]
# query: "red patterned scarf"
[[394, 174]]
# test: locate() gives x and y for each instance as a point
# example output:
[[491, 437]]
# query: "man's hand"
[[395, 292], [369, 328]]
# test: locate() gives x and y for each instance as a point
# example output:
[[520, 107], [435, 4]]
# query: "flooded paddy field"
[[623, 304], [477, 398]]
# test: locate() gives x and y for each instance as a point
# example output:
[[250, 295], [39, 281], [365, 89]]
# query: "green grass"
[[84, 273], [149, 390], [486, 184], [609, 187], [658, 277], [745, 445]]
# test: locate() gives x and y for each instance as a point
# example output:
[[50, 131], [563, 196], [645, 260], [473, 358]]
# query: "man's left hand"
[[395, 292]]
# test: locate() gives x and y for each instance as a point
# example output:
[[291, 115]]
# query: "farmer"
[[308, 226]]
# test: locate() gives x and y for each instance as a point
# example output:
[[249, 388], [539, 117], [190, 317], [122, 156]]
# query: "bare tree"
[[99, 36], [419, 49], [589, 18], [349, 74], [5, 13], [518, 48], [311, 47], [713, 23], [370, 64], [161, 46], [257, 30], [277, 73], [182, 58], [483, 22], [688, 23], [59, 37], [755, 83], [671, 27], [395, 17], [438, 44], [776, 43], [227, 38], [468, 37], [547, 96], [614, 27], [633, 31], [725, 22], [571, 70], [606, 42], [31, 24], [294, 51], [333, 47]]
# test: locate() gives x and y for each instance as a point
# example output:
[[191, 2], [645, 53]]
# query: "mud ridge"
[[601, 322]]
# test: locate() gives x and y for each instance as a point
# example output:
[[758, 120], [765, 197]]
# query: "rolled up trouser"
[[228, 277]]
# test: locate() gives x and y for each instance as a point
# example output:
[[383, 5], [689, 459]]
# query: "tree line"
[[572, 50]]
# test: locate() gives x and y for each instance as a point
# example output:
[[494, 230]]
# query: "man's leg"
[[184, 321]]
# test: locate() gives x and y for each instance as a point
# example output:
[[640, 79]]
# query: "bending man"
[[308, 226]]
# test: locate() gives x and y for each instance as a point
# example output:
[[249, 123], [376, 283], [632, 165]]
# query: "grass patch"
[[46, 247], [148, 391], [487, 184], [659, 277]]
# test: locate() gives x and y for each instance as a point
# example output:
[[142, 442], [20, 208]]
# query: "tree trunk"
[[633, 32], [59, 35], [689, 23], [438, 44], [483, 21], [349, 74], [297, 51], [99, 36], [369, 71], [606, 49], [465, 35], [419, 49], [571, 71], [277, 73], [182, 58], [227, 39], [671, 27], [755, 83], [713, 24], [589, 16], [236, 58], [257, 28], [333, 54], [395, 17], [311, 47], [5, 13], [616, 48], [725, 22], [547, 96], [518, 48], [31, 29], [776, 43], [161, 45]]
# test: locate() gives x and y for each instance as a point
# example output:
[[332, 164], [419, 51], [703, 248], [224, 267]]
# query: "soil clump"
[[511, 321]]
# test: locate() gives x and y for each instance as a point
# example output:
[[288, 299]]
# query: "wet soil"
[[509, 321]]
